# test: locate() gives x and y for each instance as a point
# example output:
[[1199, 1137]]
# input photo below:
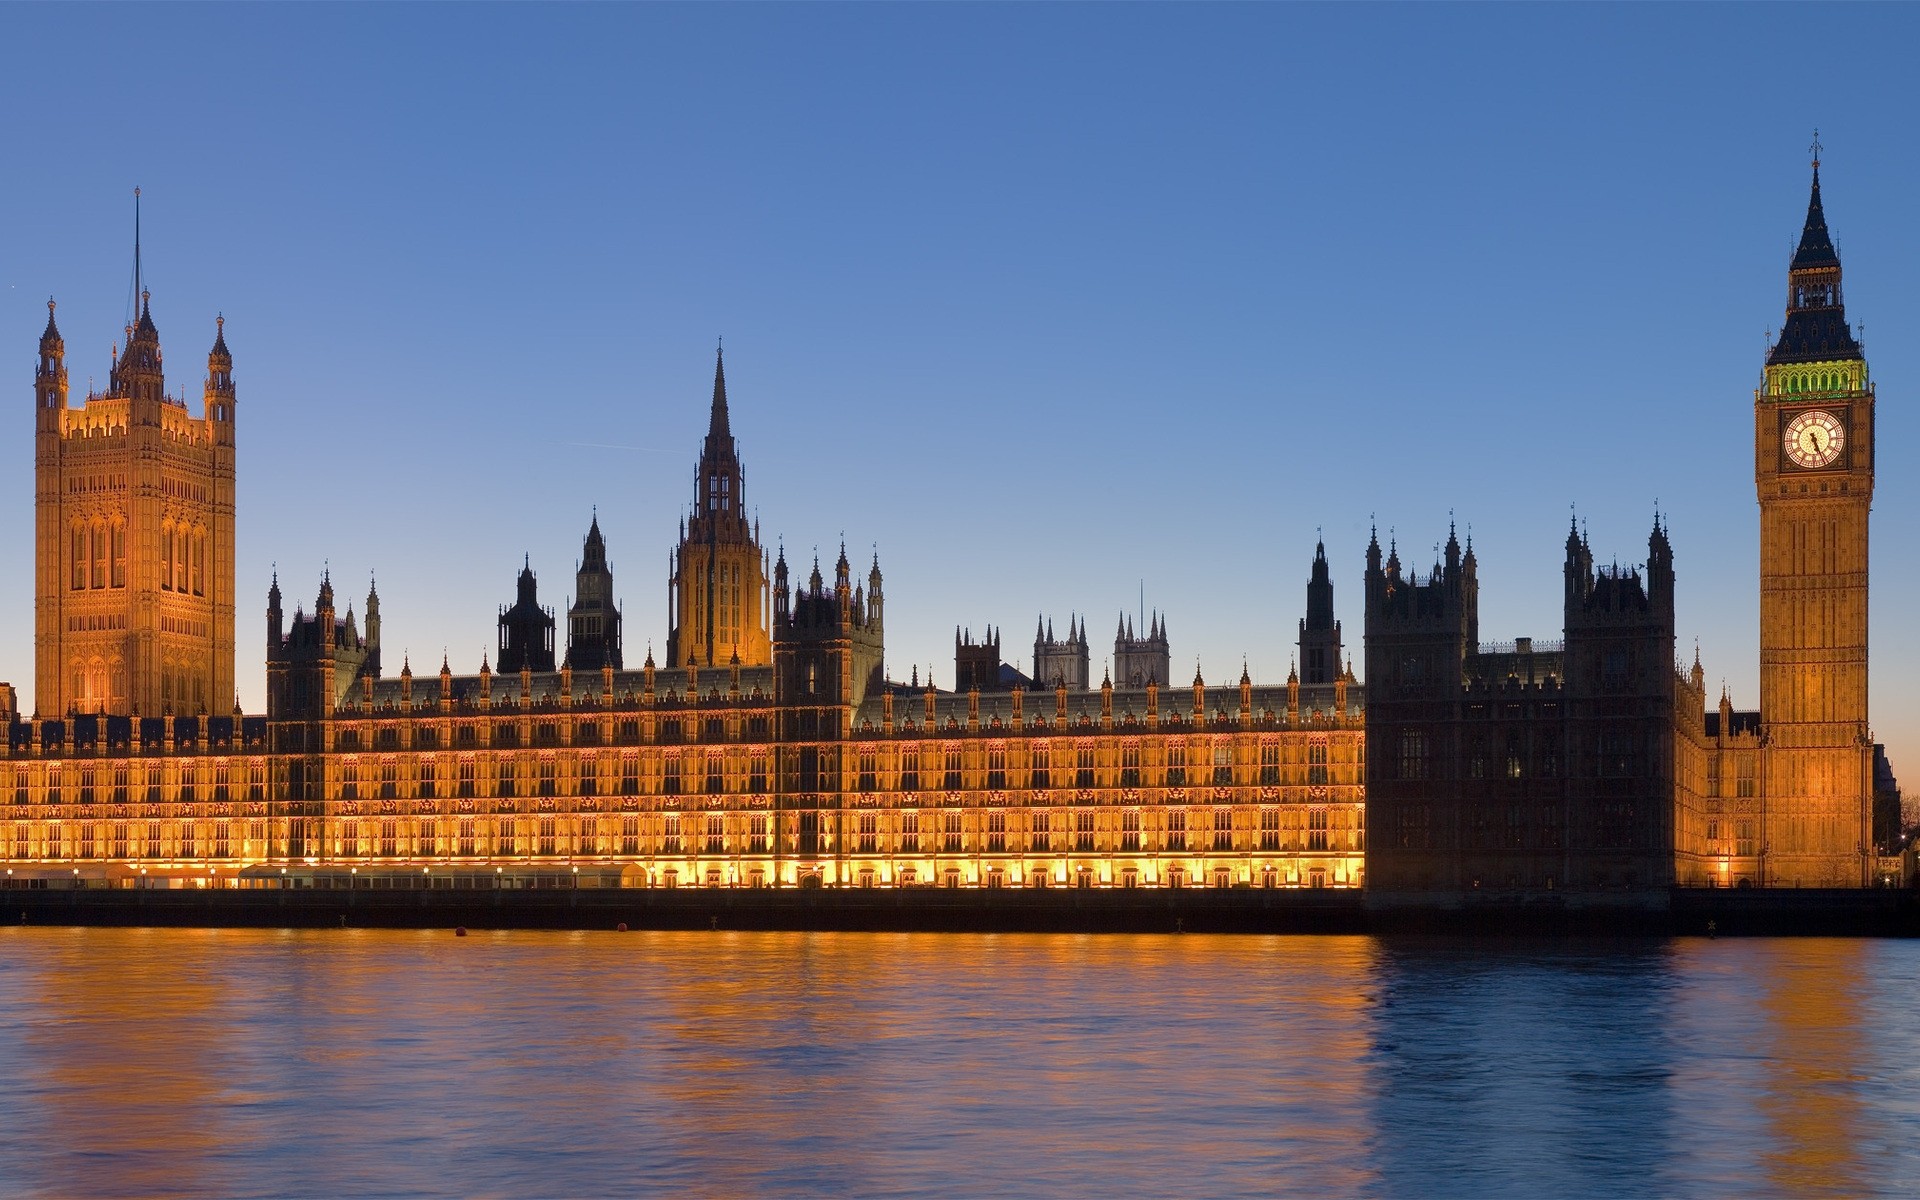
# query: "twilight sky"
[[1057, 306]]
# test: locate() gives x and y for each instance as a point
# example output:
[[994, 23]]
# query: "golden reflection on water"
[[1819, 1048], [727, 1064]]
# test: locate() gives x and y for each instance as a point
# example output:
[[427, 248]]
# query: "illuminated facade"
[[133, 535], [795, 762], [774, 749]]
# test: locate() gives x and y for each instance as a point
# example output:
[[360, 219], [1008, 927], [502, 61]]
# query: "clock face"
[[1815, 439]]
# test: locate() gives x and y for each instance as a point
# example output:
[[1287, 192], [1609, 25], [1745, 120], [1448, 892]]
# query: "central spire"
[[719, 431]]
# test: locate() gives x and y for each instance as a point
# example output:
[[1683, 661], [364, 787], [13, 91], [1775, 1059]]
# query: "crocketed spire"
[[719, 430], [1816, 245]]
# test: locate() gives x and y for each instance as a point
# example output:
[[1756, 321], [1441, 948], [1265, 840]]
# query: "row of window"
[[1616, 755], [151, 783], [1082, 831], [98, 558]]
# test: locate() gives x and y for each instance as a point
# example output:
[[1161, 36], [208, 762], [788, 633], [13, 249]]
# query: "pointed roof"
[[1816, 246], [1816, 325], [594, 553], [219, 351], [719, 430], [51, 339]]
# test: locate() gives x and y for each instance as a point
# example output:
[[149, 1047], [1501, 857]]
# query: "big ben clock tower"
[[1813, 466]]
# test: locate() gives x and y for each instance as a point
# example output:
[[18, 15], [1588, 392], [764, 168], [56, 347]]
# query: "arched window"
[[166, 558], [79, 556], [99, 554], [119, 554]]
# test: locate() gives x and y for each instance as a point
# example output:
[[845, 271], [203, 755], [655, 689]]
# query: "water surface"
[[137, 1062]]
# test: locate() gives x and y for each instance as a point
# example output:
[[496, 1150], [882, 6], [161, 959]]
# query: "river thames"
[[144, 1062]]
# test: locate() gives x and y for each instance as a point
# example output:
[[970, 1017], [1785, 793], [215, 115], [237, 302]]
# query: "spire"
[[1816, 245], [593, 554], [718, 429]]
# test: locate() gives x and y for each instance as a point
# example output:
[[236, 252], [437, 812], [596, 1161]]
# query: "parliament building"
[[773, 747]]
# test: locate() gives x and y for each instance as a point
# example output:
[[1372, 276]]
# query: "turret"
[[50, 376], [1319, 632], [219, 387], [782, 596], [594, 619], [1660, 569], [372, 666], [138, 373], [526, 629], [276, 630], [323, 611]]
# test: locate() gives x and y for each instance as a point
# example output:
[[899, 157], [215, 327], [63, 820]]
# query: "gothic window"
[[1130, 764], [1269, 829], [1317, 763], [670, 839], [99, 555], [1413, 754], [1177, 830], [716, 834], [1177, 764], [1083, 831], [950, 833], [1317, 829], [1083, 767], [1041, 832], [1130, 832], [1041, 767], [997, 766], [1270, 764], [79, 557], [910, 833], [952, 782], [1515, 764], [1743, 781], [997, 832]]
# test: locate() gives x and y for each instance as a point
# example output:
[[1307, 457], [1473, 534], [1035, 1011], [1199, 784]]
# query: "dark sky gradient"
[[1055, 305]]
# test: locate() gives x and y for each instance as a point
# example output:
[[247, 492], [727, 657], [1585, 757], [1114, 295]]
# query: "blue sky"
[[1055, 305]]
